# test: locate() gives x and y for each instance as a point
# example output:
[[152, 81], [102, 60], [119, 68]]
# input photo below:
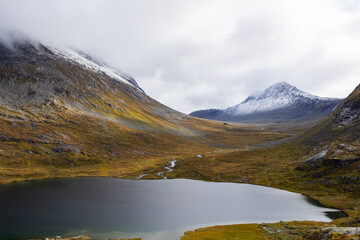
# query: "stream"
[[168, 168]]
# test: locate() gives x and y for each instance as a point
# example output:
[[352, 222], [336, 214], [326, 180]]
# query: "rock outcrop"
[[335, 233]]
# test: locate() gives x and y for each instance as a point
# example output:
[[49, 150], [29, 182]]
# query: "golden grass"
[[71, 143], [229, 232], [282, 230]]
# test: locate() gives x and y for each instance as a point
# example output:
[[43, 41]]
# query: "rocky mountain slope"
[[62, 113], [280, 102], [334, 158]]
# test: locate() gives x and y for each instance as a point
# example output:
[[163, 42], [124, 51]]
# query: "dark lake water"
[[152, 209]]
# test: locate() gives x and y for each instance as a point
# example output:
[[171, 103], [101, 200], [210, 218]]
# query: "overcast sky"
[[195, 54]]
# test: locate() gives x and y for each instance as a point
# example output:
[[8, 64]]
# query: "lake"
[[151, 209]]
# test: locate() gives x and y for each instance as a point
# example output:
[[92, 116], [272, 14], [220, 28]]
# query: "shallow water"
[[152, 209]]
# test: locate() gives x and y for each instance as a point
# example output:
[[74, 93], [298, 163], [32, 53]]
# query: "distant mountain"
[[279, 102]]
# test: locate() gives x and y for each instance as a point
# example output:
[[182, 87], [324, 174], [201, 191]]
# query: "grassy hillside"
[[72, 144], [59, 118]]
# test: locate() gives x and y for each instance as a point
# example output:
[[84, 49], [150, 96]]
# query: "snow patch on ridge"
[[91, 64]]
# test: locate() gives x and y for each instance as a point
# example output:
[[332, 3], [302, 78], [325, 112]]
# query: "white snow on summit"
[[279, 95], [90, 64]]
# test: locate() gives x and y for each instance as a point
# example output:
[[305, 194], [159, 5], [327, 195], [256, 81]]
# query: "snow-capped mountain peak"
[[279, 95], [283, 89]]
